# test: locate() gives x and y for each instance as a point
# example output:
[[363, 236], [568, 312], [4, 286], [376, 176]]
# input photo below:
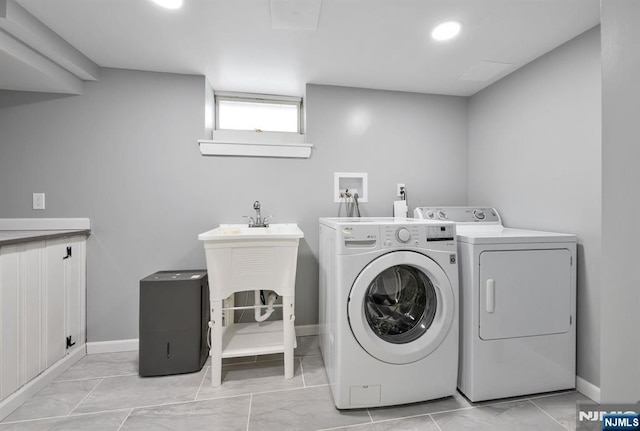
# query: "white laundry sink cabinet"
[[241, 258]]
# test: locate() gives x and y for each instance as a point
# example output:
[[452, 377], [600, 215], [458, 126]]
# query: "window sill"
[[255, 144]]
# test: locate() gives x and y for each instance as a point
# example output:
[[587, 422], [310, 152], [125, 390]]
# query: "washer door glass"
[[400, 304]]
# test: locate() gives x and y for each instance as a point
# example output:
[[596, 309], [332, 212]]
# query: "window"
[[258, 113], [254, 125]]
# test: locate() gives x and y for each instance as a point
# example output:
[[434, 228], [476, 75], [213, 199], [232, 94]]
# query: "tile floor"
[[103, 392]]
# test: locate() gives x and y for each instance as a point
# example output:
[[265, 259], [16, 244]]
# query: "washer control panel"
[[416, 234], [400, 235], [438, 232], [363, 235]]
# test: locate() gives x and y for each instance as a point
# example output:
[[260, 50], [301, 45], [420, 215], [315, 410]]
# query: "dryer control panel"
[[459, 214]]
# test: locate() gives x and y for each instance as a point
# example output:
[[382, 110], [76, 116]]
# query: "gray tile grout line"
[[339, 427], [304, 382], [424, 414], [125, 419], [548, 414], [554, 394], [370, 417], [77, 415], [179, 402], [470, 407], [249, 413], [204, 376], [86, 396], [126, 408], [267, 392], [94, 378], [434, 421], [148, 406], [403, 417]]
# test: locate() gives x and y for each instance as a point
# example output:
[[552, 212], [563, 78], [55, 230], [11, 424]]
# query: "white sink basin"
[[242, 231], [241, 258]]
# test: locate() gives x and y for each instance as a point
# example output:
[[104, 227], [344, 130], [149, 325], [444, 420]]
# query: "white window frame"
[[259, 98], [254, 143]]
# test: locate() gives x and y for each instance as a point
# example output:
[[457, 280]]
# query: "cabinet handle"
[[69, 343], [68, 253]]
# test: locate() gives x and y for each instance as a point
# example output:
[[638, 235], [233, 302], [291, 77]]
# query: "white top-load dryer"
[[388, 310], [517, 305]]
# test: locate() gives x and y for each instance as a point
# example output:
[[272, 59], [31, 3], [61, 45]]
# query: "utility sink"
[[227, 232], [241, 258]]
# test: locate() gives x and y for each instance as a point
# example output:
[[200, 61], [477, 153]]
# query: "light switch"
[[38, 201]]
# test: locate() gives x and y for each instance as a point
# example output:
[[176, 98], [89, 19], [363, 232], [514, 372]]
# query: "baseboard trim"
[[588, 389], [112, 346], [15, 400], [131, 345], [307, 330]]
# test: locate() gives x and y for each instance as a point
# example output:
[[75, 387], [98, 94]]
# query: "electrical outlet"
[[400, 188], [38, 201]]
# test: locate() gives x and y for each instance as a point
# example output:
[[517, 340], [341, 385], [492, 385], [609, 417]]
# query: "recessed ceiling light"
[[446, 30], [169, 4]]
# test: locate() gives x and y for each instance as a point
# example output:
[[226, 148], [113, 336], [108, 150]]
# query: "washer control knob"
[[479, 214], [442, 215], [431, 214], [403, 235]]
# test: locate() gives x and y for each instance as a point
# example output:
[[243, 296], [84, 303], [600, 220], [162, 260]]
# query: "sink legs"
[[216, 326], [288, 318], [216, 342]]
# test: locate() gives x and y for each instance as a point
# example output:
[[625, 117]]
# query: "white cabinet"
[[9, 335], [32, 285], [65, 296], [42, 299]]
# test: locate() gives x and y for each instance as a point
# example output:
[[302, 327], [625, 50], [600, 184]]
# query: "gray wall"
[[125, 155], [535, 153], [621, 206]]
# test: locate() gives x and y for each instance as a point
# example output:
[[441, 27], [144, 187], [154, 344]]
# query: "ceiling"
[[380, 44]]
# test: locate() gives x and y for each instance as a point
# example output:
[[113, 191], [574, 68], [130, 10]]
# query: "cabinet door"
[[32, 298], [75, 275], [10, 319], [55, 343]]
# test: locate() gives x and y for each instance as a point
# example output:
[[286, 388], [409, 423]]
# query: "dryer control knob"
[[403, 235], [442, 215], [431, 214], [479, 214]]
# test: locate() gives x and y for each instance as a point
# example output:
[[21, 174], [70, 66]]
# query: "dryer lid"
[[482, 234]]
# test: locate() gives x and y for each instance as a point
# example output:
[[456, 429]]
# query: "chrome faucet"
[[258, 221]]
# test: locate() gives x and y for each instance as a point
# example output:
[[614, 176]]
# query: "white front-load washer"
[[517, 305], [388, 310]]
